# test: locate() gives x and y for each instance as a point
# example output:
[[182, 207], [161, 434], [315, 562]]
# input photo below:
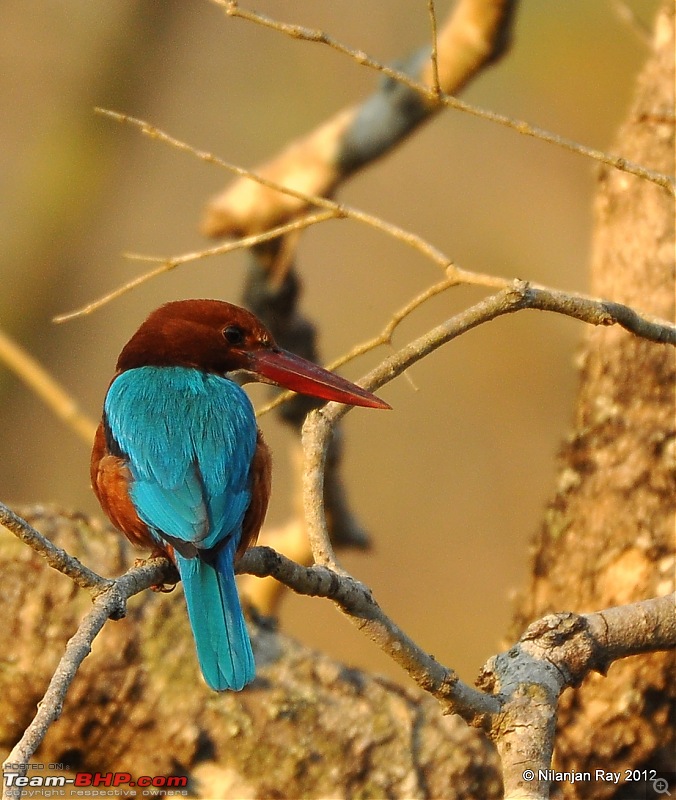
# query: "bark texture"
[[608, 537]]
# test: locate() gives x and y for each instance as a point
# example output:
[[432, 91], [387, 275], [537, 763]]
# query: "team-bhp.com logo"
[[95, 780]]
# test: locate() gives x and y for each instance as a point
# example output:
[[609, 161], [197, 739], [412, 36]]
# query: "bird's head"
[[218, 337]]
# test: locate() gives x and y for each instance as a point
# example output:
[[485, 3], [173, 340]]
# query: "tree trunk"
[[608, 537]]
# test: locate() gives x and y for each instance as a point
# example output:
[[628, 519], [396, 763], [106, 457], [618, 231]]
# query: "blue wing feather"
[[182, 513], [189, 438]]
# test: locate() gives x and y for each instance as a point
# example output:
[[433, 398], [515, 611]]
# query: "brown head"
[[214, 336]]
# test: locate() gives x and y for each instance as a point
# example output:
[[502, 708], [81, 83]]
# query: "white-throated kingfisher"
[[179, 465]]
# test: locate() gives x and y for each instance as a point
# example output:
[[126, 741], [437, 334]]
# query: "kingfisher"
[[179, 465]]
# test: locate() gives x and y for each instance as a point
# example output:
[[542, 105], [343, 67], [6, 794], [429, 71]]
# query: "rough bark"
[[608, 537]]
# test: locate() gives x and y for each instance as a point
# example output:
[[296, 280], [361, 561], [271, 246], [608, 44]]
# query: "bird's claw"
[[165, 588]]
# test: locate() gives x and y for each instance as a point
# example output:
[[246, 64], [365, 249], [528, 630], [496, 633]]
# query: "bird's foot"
[[165, 588]]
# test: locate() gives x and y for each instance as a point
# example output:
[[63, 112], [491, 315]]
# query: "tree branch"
[[57, 558], [358, 603], [554, 653], [109, 603], [522, 686], [524, 727], [36, 377], [475, 35]]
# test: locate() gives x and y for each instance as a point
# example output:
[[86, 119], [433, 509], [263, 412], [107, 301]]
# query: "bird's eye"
[[233, 334]]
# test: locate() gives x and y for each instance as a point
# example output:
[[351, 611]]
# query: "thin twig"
[[358, 603], [244, 242], [36, 377], [57, 558], [306, 34], [520, 295], [167, 264], [434, 57], [340, 210], [383, 338], [520, 126]]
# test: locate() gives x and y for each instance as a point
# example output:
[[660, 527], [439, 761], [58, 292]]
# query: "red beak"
[[293, 372]]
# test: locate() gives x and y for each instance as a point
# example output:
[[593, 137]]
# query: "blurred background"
[[453, 482]]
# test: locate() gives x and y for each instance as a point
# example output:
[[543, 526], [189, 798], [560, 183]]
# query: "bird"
[[179, 465]]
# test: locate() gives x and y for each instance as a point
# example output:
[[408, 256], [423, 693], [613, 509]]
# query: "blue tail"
[[221, 637]]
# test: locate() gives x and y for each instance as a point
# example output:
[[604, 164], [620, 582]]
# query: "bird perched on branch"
[[179, 465]]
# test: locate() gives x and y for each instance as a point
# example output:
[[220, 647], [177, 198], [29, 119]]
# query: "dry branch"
[[555, 653], [56, 557], [109, 602], [36, 377], [474, 36], [524, 726], [166, 264]]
